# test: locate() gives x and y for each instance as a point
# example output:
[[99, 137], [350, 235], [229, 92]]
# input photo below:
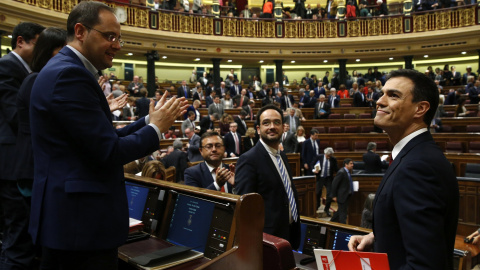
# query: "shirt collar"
[[272, 151], [399, 146], [27, 67], [211, 168], [88, 65]]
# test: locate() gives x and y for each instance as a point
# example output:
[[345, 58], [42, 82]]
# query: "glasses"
[[110, 37], [210, 146], [275, 123]]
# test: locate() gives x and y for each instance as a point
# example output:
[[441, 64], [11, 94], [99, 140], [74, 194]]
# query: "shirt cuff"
[[216, 185], [160, 135], [147, 119]]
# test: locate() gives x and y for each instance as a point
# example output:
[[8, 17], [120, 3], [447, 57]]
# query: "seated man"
[[176, 158], [211, 174]]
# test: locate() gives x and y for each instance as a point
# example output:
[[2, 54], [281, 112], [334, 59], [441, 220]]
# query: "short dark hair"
[[268, 107], [346, 161], [143, 92], [313, 131], [86, 13], [190, 113], [424, 89], [26, 30], [209, 134], [49, 40]]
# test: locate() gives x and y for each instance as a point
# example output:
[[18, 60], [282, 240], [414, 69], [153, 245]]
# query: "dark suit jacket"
[[307, 153], [473, 94], [286, 120], [309, 102], [240, 129], [357, 100], [206, 124], [236, 101], [283, 102], [341, 186], [451, 98], [373, 163], [181, 93], [230, 144], [199, 176], [208, 101], [333, 164], [12, 74], [262, 94], [234, 93], [177, 159], [72, 132], [290, 144], [336, 101], [256, 172], [194, 149], [325, 107], [417, 202], [247, 143], [143, 106]]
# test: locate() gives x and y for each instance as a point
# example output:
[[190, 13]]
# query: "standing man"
[[240, 120], [333, 98], [17, 248], [183, 90], [322, 108], [211, 174], [289, 143], [188, 123], [292, 120], [135, 86], [342, 189], [328, 166], [310, 151], [79, 189], [193, 145], [142, 104], [415, 212], [265, 170], [233, 141], [216, 107], [373, 163]]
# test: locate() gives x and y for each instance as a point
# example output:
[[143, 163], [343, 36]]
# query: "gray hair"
[[328, 151], [371, 146], [177, 144]]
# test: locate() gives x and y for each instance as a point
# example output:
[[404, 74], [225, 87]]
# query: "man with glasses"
[[211, 174], [264, 169], [79, 207]]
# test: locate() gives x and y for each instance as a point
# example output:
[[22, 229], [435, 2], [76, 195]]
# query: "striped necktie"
[[288, 189]]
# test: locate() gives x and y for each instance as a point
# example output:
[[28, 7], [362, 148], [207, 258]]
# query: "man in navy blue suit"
[[415, 211], [211, 174], [324, 176], [342, 190], [79, 206], [310, 151], [17, 247], [264, 169]]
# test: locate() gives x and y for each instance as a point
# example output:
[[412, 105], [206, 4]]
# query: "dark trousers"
[[327, 182], [55, 259], [17, 248], [341, 215]]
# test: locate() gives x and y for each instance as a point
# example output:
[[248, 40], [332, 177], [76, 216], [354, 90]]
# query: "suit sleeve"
[[420, 211], [336, 184], [79, 110], [192, 176], [245, 176]]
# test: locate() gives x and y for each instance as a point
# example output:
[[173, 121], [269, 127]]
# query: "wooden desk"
[[472, 256]]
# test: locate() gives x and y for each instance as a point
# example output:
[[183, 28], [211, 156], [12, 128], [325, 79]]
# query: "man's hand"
[[280, 147], [225, 175], [117, 103], [334, 199], [165, 116], [305, 166], [361, 242], [101, 82]]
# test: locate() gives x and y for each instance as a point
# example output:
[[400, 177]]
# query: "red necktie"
[[241, 101]]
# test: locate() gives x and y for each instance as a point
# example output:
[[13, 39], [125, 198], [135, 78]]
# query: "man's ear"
[[80, 31], [422, 109]]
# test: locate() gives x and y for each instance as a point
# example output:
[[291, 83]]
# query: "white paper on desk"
[[139, 174], [356, 185], [317, 167], [134, 222], [384, 157]]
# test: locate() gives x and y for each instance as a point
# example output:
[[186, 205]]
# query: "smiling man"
[[415, 212], [264, 169], [79, 205]]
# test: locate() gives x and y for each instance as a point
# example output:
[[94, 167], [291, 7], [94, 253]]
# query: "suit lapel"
[[206, 173]]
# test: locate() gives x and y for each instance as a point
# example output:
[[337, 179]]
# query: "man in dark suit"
[[235, 89], [310, 151], [453, 97], [333, 98], [193, 146], [359, 99], [183, 90], [265, 170], [342, 189], [222, 90], [474, 93], [456, 76], [373, 163], [79, 189], [177, 159], [322, 109], [288, 143], [240, 100], [417, 200], [286, 101], [310, 100], [292, 120], [208, 123], [264, 92], [241, 125], [17, 246], [142, 104], [327, 167], [276, 89], [233, 141], [319, 90], [211, 174], [249, 109], [216, 107], [209, 99]]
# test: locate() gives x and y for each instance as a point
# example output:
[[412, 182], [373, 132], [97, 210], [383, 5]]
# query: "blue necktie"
[[325, 168], [351, 182], [185, 90], [288, 189]]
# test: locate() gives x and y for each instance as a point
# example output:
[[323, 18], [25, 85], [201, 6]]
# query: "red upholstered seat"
[[334, 116], [474, 147], [334, 130], [341, 146], [351, 129], [346, 105], [364, 115], [366, 129], [349, 116], [277, 253], [360, 146], [473, 128], [322, 146], [454, 147], [382, 146], [320, 129]]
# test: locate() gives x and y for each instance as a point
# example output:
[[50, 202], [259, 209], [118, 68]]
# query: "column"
[[342, 77], [216, 71], [476, 71], [279, 72], [1, 34], [151, 58], [408, 61]]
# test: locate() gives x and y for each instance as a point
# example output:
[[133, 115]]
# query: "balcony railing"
[[171, 21]]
